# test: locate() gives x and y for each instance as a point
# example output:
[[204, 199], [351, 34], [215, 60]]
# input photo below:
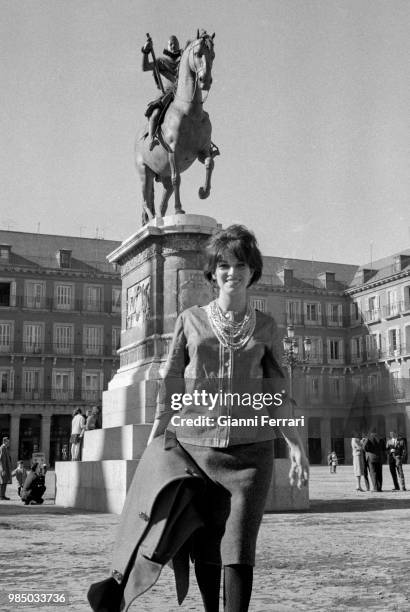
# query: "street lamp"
[[291, 358]]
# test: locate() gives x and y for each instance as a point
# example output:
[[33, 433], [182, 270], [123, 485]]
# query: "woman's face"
[[231, 275]]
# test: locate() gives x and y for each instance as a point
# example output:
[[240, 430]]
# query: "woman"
[[358, 463], [218, 350]]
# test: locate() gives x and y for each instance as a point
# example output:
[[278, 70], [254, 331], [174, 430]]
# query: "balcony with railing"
[[372, 316], [395, 309], [394, 351], [20, 301], [54, 394], [316, 320], [71, 349]]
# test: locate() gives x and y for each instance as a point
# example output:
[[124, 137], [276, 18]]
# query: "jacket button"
[[191, 472], [143, 516]]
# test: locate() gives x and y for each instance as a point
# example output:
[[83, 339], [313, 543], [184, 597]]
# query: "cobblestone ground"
[[349, 552]]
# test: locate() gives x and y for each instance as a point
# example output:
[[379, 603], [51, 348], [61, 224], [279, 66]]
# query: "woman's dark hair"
[[238, 241], [77, 411]]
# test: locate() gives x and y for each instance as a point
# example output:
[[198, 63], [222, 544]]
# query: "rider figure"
[[167, 66]]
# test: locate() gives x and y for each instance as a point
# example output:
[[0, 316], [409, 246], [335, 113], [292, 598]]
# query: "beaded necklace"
[[231, 334]]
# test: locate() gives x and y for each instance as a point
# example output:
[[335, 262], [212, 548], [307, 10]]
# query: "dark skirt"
[[240, 477]]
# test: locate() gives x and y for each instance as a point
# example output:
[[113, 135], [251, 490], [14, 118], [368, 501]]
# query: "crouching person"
[[34, 487]]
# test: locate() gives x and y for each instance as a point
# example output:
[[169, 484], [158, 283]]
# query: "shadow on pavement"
[[358, 505], [17, 509]]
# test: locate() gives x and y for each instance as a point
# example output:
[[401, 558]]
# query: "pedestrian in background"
[[329, 461], [374, 447], [334, 462], [5, 468], [365, 464], [358, 459], [77, 432], [92, 420], [20, 473], [396, 447], [34, 487]]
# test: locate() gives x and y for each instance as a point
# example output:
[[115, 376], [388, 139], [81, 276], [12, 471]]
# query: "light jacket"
[[197, 362], [158, 518]]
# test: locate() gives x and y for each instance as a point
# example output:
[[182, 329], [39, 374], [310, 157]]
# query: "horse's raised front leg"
[[204, 191], [176, 181], [166, 194]]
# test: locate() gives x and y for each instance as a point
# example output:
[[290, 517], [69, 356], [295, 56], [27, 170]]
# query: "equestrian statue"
[[179, 130]]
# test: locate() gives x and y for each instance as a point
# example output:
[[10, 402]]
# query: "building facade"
[[60, 328], [358, 321]]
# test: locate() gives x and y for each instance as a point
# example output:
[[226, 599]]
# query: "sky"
[[309, 106]]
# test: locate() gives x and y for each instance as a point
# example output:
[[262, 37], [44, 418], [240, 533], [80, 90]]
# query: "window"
[[34, 293], [6, 383], [63, 385], [335, 315], [406, 293], [392, 304], [373, 310], [31, 384], [316, 350], [93, 340], [6, 336], [373, 345], [93, 295], [92, 385], [115, 339], [373, 303], [7, 292], [354, 313], [4, 252], [357, 384], [63, 338], [407, 338], [356, 348], [373, 382], [32, 337], [335, 387], [116, 299], [394, 341], [335, 349], [398, 386], [64, 297], [313, 388], [313, 313], [293, 312], [64, 258]]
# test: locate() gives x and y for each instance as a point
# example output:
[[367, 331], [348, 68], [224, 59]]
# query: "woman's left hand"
[[299, 465]]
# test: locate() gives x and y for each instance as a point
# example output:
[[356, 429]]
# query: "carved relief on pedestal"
[[193, 289], [138, 303], [137, 257], [175, 244]]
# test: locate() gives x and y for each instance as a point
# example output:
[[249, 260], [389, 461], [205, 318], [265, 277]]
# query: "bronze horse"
[[184, 135]]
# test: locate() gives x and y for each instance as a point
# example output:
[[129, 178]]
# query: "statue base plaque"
[[161, 271]]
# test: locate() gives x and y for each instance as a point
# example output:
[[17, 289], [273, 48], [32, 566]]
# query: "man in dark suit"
[[396, 447], [374, 447]]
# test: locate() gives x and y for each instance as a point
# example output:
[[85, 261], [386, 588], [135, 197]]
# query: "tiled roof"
[[40, 250]]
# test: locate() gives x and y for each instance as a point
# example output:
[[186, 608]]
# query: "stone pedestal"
[[161, 271]]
